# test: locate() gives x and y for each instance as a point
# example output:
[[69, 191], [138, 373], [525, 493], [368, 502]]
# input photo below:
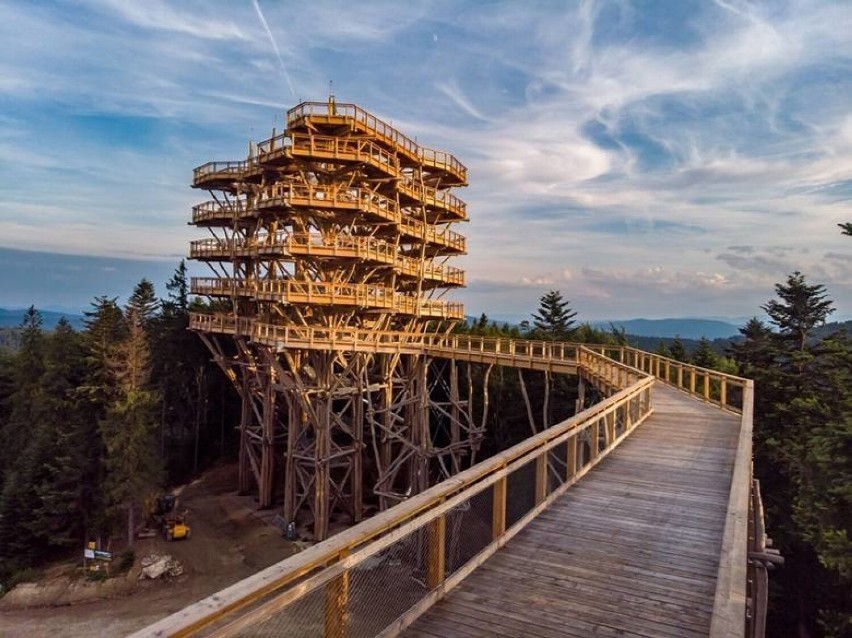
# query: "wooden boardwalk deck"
[[631, 550]]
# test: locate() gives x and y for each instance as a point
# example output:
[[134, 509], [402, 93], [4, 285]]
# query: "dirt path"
[[229, 542]]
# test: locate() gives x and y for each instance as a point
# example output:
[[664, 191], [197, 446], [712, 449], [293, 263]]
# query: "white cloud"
[[603, 159]]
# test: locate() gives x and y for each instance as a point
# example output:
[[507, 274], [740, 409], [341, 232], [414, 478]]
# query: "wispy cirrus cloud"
[[646, 160]]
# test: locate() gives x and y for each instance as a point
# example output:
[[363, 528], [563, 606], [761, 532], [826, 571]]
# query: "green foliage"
[[704, 355], [125, 562], [144, 302], [555, 319], [88, 420], [130, 425], [803, 455], [801, 308], [677, 351]]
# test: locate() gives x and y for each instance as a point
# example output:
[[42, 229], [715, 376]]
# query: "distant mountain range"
[[12, 317], [683, 328]]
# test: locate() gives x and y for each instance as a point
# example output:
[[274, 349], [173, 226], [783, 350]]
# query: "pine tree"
[[846, 228], [704, 356], [678, 351], [144, 302], [58, 513], [756, 352], [21, 445], [554, 319], [129, 428], [178, 292], [27, 369], [802, 307]]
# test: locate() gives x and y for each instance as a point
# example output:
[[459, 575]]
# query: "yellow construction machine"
[[163, 514]]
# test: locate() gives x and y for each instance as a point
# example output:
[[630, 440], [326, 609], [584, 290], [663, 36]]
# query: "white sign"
[[88, 553]]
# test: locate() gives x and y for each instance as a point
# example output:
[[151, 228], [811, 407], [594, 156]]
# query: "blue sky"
[[645, 158]]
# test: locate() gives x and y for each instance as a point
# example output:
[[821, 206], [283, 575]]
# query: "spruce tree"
[[21, 447], [144, 302], [58, 514], [133, 467], [801, 308], [678, 351], [555, 319], [704, 356], [178, 292]]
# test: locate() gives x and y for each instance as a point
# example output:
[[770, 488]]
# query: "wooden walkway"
[[631, 550]]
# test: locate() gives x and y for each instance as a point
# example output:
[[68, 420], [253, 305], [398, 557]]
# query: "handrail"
[[719, 388], [324, 196], [328, 569], [438, 159], [285, 243], [729, 603], [321, 292]]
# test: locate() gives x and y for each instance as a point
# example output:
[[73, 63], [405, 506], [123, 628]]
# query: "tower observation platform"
[[331, 248]]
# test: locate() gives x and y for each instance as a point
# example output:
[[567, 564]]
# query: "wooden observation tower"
[[330, 244]]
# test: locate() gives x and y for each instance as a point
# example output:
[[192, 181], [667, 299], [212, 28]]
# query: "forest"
[[93, 421]]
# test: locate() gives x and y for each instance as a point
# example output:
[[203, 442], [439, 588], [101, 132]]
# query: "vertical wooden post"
[[692, 380], [706, 386], [594, 434], [455, 413], [357, 476], [723, 392], [571, 460], [498, 509], [679, 376], [294, 428], [267, 453], [610, 428], [541, 477], [435, 554], [244, 478], [337, 604]]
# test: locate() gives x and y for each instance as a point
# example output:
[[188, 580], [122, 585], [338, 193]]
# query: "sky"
[[647, 159]]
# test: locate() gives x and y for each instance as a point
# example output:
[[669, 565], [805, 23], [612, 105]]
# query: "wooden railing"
[[326, 293], [414, 553], [380, 130], [286, 244], [352, 199], [360, 150], [712, 386]]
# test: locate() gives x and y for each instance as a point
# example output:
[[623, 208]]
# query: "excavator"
[[163, 512]]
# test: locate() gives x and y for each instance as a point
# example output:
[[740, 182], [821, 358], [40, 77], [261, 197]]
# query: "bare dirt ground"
[[230, 541]]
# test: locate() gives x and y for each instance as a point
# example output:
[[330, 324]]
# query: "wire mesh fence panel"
[[584, 449], [620, 422], [387, 584], [520, 493], [557, 466], [468, 529], [303, 618]]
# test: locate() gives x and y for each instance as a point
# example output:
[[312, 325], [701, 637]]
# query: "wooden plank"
[[631, 550]]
